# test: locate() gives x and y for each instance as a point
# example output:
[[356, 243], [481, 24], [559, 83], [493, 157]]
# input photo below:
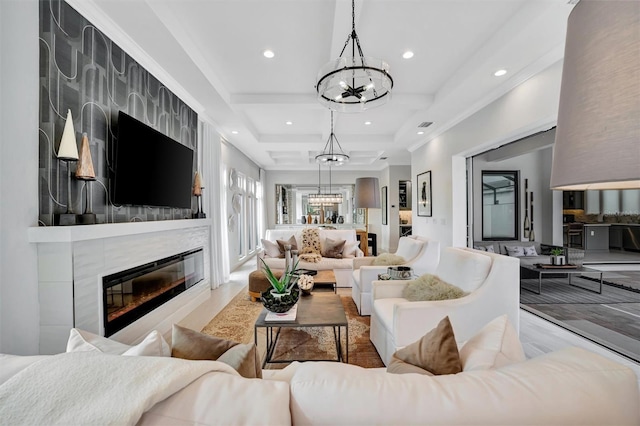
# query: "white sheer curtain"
[[214, 199], [262, 205]]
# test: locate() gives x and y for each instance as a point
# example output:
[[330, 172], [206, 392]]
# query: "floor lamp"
[[367, 197]]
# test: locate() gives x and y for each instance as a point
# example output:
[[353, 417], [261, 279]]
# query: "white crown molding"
[[99, 18], [553, 56]]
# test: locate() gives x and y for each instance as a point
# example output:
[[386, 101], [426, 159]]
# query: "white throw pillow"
[[271, 249], [350, 249], [83, 341], [530, 251], [495, 346], [482, 248], [515, 251], [490, 249]]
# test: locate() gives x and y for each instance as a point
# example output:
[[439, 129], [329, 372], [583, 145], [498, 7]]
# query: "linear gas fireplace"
[[131, 294]]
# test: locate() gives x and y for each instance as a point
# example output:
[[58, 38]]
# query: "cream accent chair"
[[420, 253], [492, 281]]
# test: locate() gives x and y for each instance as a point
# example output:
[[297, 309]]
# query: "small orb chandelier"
[[329, 155], [356, 83]]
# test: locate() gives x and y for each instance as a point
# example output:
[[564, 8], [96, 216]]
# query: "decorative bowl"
[[280, 304], [400, 272]]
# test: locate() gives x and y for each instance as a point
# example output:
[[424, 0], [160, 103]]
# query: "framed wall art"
[[424, 194], [383, 205]]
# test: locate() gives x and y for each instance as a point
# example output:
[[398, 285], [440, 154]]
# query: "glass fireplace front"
[[131, 294]]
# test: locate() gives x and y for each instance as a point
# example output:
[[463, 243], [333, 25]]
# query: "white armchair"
[[419, 253], [493, 284]]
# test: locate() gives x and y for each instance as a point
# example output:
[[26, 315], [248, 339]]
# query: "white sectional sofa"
[[420, 253], [493, 284], [569, 387], [342, 268]]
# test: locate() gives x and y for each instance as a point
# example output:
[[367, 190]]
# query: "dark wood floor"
[[611, 318]]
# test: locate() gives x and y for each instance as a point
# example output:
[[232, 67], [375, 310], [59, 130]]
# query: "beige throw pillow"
[[388, 259], [431, 287], [190, 344], [333, 248], [436, 353]]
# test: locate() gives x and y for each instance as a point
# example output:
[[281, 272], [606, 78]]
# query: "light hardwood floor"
[[538, 336]]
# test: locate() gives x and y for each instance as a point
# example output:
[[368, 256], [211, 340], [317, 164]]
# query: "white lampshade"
[[367, 193], [68, 149], [598, 133]]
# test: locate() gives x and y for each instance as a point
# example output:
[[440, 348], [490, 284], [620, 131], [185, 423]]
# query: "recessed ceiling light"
[[235, 132], [500, 73], [408, 54], [268, 54], [289, 123], [421, 132], [367, 123]]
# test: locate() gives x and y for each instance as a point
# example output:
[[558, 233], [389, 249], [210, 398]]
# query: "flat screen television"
[[150, 169]]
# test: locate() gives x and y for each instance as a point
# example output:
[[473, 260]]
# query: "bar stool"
[[575, 230]]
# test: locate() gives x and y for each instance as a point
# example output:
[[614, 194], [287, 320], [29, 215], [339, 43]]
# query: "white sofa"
[[568, 387], [493, 283], [342, 268], [419, 253]]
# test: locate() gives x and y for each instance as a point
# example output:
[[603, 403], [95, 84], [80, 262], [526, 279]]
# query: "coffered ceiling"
[[210, 52]]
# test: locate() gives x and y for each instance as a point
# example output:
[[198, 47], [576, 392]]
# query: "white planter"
[[558, 260]]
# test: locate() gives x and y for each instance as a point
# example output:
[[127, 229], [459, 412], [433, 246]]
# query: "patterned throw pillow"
[[515, 251], [530, 251], [310, 251], [490, 249]]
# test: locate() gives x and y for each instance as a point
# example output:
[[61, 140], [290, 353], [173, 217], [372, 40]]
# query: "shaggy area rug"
[[236, 320]]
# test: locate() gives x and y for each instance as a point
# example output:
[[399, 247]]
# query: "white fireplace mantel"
[[73, 259], [62, 234]]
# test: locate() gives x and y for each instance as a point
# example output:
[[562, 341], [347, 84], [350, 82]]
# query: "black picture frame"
[[500, 216], [383, 198], [423, 194]]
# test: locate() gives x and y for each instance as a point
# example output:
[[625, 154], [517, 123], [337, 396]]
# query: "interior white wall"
[[528, 108], [19, 73]]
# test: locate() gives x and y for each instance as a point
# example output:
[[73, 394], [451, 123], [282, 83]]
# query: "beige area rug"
[[236, 320]]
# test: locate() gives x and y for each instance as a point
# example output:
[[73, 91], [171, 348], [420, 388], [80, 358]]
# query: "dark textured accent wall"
[[82, 70]]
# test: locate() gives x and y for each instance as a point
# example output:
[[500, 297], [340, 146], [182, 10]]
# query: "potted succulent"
[[284, 293], [282, 285], [557, 257]]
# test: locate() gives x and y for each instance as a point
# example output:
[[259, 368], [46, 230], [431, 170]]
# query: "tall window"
[[248, 216]]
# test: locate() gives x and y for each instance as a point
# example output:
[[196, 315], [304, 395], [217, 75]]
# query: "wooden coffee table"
[[317, 310], [325, 278]]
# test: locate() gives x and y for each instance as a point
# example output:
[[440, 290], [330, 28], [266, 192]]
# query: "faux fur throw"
[[388, 259], [431, 287], [310, 251]]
